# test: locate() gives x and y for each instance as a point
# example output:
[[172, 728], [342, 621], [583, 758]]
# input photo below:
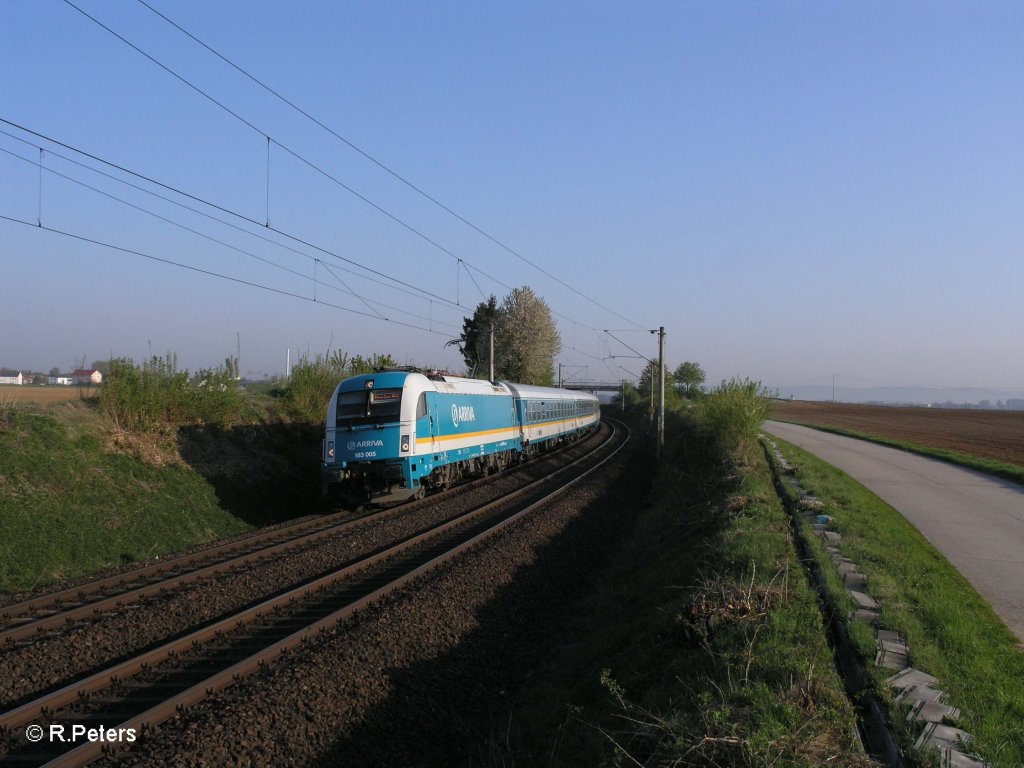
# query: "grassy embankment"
[[703, 644], [161, 461], [78, 495], [952, 632]]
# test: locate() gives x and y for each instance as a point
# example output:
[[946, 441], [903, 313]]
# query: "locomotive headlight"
[[330, 449], [405, 443]]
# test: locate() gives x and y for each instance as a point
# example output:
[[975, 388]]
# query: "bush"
[[313, 381], [732, 413], [158, 394]]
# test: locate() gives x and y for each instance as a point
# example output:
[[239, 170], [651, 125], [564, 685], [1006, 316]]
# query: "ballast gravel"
[[429, 675], [60, 658]]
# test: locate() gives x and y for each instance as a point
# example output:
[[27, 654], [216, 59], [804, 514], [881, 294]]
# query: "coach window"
[[421, 406]]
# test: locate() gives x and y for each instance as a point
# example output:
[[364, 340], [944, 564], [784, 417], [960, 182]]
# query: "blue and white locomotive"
[[394, 434]]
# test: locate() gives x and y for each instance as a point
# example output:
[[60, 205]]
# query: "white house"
[[61, 380], [85, 376], [19, 379]]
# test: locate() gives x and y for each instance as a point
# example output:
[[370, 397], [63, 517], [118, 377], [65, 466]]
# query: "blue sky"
[[791, 189]]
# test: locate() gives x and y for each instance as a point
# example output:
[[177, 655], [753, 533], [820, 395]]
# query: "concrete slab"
[[831, 537], [952, 758], [939, 736], [819, 527], [916, 693], [854, 580], [911, 677], [846, 567], [890, 636], [892, 659], [865, 614], [896, 647], [863, 599], [932, 712]]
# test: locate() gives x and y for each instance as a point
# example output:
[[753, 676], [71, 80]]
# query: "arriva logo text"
[[366, 444], [462, 413]]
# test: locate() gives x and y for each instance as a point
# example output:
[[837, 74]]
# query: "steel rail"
[[80, 691], [103, 594]]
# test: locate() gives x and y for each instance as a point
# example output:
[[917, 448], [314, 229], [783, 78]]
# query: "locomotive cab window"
[[374, 406], [351, 405]]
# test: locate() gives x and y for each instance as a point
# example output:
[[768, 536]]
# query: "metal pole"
[[559, 375], [650, 383], [661, 390], [623, 395], [492, 353]]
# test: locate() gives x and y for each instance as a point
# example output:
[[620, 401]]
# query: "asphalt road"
[[976, 521]]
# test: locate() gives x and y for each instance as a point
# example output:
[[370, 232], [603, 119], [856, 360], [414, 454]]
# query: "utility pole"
[[623, 395], [650, 383], [492, 353], [559, 375], [834, 388], [661, 391]]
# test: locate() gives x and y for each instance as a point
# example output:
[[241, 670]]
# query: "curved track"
[[31, 618], [150, 687]]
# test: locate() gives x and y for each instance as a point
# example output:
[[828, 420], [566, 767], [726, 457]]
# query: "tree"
[[649, 374], [526, 339], [689, 378], [474, 343], [55, 372], [103, 366]]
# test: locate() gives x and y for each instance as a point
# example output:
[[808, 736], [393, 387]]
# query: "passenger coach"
[[393, 434]]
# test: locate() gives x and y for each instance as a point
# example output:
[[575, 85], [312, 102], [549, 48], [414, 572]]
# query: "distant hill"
[[907, 395]]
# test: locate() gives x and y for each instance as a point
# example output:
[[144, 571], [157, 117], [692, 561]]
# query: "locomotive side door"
[[426, 423]]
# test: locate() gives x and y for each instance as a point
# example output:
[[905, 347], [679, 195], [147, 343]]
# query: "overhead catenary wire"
[[211, 217], [643, 356], [211, 273], [313, 166], [421, 292], [301, 158], [241, 216], [381, 165], [348, 289]]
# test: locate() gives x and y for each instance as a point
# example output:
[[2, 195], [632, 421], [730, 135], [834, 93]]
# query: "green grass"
[[70, 504], [703, 645], [951, 630], [990, 466]]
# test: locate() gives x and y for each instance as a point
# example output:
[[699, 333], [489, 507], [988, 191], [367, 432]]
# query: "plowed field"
[[32, 394], [997, 435]]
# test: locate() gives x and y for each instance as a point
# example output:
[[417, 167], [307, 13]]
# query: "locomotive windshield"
[[369, 406]]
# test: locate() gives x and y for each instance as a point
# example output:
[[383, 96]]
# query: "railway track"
[[65, 609], [150, 687]]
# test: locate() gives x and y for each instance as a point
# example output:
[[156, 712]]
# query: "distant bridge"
[[593, 386]]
